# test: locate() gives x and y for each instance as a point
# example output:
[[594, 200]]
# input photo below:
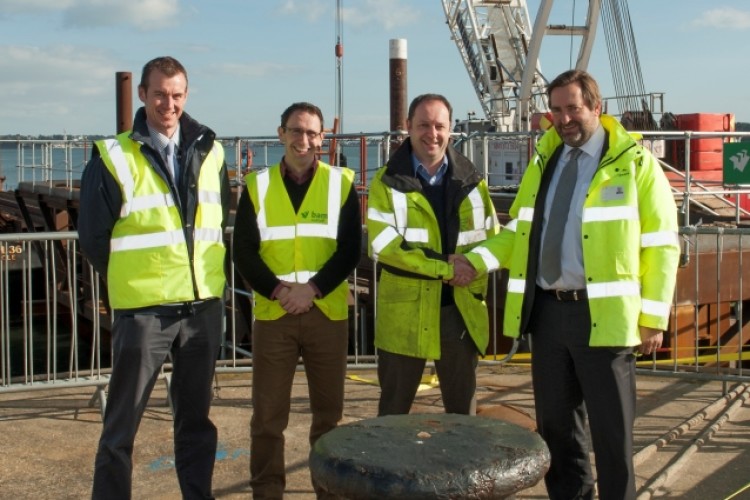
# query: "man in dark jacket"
[[154, 203]]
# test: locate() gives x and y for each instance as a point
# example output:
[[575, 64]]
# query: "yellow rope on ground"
[[428, 381], [525, 357], [733, 495]]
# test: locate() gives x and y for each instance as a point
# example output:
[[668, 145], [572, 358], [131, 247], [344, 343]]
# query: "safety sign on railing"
[[737, 163]]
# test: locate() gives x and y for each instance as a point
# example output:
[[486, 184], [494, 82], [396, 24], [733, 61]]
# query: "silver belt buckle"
[[560, 294]]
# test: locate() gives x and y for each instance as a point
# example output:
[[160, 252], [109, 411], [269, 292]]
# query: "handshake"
[[463, 272]]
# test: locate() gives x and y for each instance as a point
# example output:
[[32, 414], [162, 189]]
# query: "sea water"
[[42, 161]]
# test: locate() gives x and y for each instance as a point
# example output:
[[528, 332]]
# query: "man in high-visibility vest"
[[592, 253], [297, 238], [427, 205], [154, 203]]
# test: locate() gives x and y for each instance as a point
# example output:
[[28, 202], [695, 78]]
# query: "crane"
[[501, 54]]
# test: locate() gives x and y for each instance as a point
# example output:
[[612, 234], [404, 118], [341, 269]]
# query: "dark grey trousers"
[[400, 375], [141, 342], [573, 381]]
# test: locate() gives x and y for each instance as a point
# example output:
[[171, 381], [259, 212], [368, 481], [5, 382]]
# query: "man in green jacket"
[[426, 205], [591, 278]]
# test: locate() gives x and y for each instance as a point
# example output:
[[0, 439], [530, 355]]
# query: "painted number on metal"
[[10, 252]]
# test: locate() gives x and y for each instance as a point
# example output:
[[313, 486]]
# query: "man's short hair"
[[429, 97], [589, 88], [166, 64], [301, 106]]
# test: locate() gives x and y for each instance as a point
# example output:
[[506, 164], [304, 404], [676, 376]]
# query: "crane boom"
[[501, 54]]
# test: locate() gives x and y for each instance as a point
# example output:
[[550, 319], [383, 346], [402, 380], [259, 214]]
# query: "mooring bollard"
[[429, 456]]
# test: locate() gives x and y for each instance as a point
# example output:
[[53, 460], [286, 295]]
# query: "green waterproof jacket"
[[405, 241], [628, 235]]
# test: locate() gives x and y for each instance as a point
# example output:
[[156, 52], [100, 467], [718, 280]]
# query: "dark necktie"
[[172, 164], [558, 217]]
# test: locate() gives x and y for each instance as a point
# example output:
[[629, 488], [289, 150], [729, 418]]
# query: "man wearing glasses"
[[297, 238]]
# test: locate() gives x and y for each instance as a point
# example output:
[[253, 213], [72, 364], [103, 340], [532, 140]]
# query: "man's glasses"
[[299, 132]]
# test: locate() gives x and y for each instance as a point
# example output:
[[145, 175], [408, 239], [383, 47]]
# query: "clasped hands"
[[463, 272], [296, 298]]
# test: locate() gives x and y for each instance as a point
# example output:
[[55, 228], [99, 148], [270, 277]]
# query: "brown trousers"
[[277, 347]]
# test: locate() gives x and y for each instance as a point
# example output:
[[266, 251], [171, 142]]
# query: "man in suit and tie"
[[592, 253]]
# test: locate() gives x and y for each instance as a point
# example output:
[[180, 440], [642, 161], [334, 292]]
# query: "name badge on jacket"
[[613, 193]]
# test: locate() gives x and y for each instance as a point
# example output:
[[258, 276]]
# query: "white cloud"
[[253, 70], [54, 83], [387, 14], [144, 15], [725, 18], [381, 14], [312, 10], [9, 7]]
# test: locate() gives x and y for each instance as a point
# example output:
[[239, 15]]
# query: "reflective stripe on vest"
[[298, 277], [151, 240], [526, 214], [660, 238], [480, 224], [489, 260], [382, 240], [604, 214], [329, 230]]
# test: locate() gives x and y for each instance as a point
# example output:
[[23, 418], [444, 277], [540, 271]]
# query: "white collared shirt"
[[573, 277], [161, 141]]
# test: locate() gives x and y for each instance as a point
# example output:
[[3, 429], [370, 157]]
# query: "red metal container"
[[706, 152], [705, 160], [706, 122]]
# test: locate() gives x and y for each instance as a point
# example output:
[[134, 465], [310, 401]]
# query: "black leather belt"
[[566, 295], [174, 309]]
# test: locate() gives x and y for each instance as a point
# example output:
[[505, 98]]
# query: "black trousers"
[[399, 376], [141, 342], [573, 381]]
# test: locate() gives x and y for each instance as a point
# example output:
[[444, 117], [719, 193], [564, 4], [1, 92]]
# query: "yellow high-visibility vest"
[[149, 262], [296, 245]]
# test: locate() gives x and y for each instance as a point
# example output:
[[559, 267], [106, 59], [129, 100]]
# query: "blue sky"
[[248, 59]]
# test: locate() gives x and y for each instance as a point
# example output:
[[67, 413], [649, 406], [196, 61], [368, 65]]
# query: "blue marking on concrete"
[[167, 462]]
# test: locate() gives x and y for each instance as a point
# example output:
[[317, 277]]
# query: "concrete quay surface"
[[692, 442]]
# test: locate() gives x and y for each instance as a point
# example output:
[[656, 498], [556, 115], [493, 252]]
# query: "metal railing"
[[500, 156], [51, 313], [54, 329]]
